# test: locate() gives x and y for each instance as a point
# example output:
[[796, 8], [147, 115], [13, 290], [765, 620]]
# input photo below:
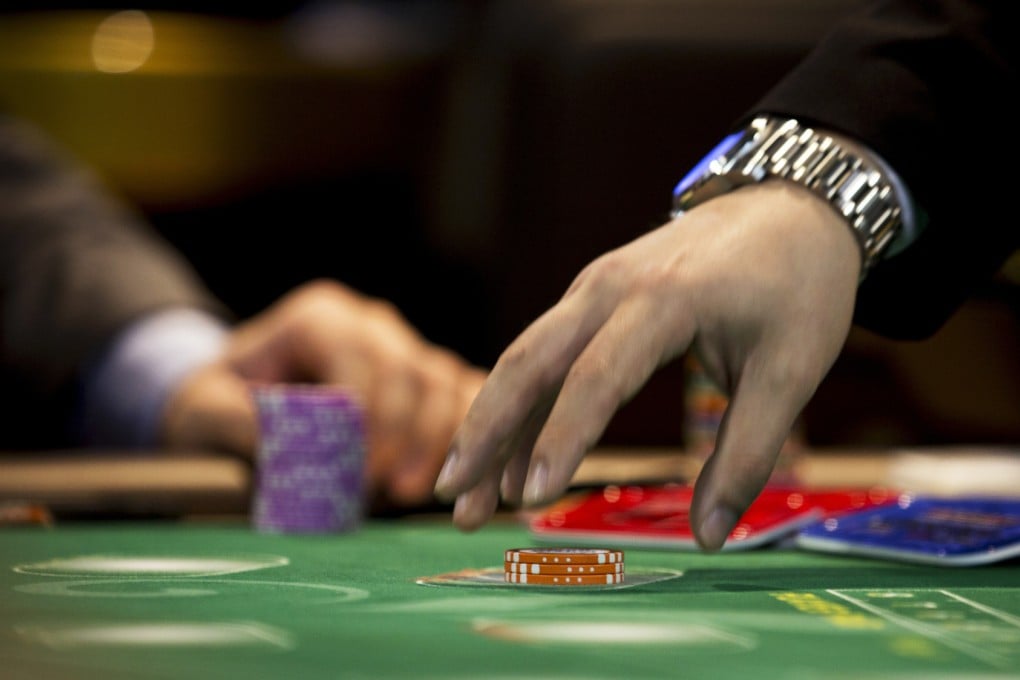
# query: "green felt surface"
[[81, 601]]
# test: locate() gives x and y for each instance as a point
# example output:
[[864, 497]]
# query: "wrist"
[[854, 185]]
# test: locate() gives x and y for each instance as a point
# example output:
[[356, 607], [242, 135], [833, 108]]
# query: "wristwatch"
[[772, 146]]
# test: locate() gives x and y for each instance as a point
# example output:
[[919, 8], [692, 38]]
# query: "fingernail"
[[504, 486], [534, 490], [717, 526], [449, 468]]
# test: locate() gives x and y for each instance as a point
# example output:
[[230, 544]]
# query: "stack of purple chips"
[[310, 460]]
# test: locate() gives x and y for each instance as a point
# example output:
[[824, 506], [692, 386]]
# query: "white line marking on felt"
[[157, 634], [600, 633], [72, 588], [1001, 615], [150, 565], [926, 631]]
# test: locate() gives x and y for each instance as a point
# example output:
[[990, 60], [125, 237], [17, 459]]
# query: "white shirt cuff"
[[124, 393]]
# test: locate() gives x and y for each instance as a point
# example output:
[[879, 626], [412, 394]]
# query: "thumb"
[[211, 409]]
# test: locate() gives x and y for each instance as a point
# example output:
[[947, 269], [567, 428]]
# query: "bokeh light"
[[123, 42]]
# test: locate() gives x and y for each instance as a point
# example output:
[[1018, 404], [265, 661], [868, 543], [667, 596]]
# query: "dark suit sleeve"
[[76, 266], [927, 85]]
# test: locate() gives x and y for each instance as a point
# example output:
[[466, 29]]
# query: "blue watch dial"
[[721, 149]]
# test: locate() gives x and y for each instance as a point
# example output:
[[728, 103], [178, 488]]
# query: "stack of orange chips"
[[563, 566]]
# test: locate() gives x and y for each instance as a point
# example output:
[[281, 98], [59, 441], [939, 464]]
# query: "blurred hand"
[[760, 282], [415, 393]]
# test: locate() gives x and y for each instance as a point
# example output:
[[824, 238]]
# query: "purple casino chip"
[[310, 459]]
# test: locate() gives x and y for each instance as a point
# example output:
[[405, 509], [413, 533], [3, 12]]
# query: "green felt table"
[[201, 600]]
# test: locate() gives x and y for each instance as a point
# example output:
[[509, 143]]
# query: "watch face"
[[699, 170]]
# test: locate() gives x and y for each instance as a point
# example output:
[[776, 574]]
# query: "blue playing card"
[[943, 531]]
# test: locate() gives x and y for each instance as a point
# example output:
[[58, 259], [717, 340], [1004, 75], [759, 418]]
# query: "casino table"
[[213, 598]]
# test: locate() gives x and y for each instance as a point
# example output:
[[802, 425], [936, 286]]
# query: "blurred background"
[[464, 159]]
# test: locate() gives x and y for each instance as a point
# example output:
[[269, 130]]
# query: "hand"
[[415, 393], [760, 282]]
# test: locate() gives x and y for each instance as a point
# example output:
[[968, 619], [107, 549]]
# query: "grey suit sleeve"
[[76, 265]]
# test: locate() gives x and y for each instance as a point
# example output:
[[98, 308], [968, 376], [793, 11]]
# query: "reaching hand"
[[415, 393], [760, 282]]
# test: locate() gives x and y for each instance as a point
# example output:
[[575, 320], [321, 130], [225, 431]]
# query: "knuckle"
[[315, 300], [323, 289], [521, 369], [383, 309], [605, 271], [513, 357]]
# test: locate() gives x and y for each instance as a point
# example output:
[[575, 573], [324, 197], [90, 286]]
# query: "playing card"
[[658, 516], [943, 531]]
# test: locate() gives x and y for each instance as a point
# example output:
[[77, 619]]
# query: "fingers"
[[759, 417], [211, 409], [619, 358], [434, 420], [636, 340], [519, 454], [505, 418], [393, 400], [414, 394], [521, 383], [412, 475], [768, 316], [475, 506], [478, 500], [511, 485]]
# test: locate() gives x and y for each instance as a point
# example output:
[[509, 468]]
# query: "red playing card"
[[658, 516]]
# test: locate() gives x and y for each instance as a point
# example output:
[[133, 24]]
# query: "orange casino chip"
[[576, 569], [563, 579], [564, 555]]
